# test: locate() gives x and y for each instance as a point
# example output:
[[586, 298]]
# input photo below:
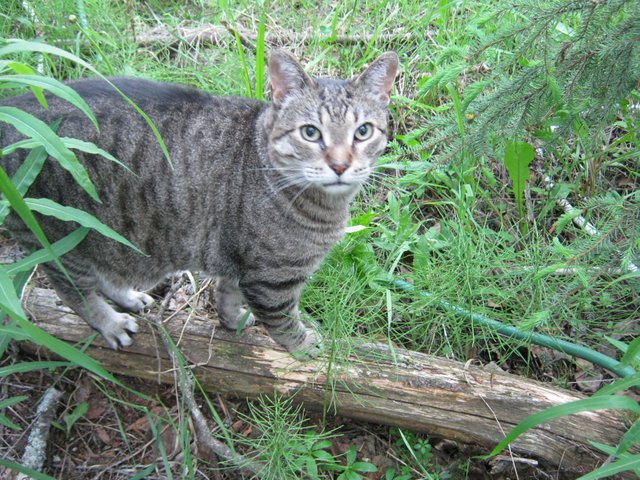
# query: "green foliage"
[[26, 471], [76, 414], [416, 450], [353, 469], [570, 78], [43, 142], [285, 446], [517, 158], [7, 402]]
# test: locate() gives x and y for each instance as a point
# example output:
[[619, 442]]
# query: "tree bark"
[[414, 391]]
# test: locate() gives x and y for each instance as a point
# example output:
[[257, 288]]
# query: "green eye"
[[364, 132], [310, 133]]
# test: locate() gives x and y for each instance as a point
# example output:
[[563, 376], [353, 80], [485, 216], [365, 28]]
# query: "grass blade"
[[609, 402], [72, 143], [57, 88], [70, 214], [23, 46], [25, 175], [25, 213], [23, 367], [260, 61], [630, 438], [11, 332], [619, 385], [9, 301], [24, 470], [93, 149], [7, 402], [632, 354], [243, 61], [517, 157], [58, 249], [22, 69], [36, 129], [630, 462]]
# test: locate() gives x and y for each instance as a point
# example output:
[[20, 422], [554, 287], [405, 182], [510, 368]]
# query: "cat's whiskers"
[[293, 201], [272, 168], [287, 182]]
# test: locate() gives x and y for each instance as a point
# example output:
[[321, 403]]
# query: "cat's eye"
[[364, 132], [310, 133]]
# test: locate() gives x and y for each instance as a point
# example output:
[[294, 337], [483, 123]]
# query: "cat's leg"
[[81, 297], [275, 304], [127, 298], [229, 303]]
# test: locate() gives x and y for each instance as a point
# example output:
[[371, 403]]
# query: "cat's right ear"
[[378, 78], [285, 75]]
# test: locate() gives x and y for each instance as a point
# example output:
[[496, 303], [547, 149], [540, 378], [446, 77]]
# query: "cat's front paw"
[[118, 329], [310, 348], [303, 342], [238, 321], [134, 301]]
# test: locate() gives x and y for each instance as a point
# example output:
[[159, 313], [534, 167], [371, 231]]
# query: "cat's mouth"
[[337, 187]]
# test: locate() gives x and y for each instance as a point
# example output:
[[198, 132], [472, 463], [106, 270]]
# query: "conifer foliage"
[[575, 67]]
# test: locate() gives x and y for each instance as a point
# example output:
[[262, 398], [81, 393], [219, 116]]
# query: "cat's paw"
[[310, 348], [135, 301], [242, 320], [117, 330], [127, 298], [303, 342]]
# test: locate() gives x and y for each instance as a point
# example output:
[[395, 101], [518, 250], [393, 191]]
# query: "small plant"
[[517, 157], [417, 451], [354, 469], [393, 474], [286, 447], [71, 418], [313, 454]]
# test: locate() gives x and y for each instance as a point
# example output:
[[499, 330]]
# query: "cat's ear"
[[378, 78], [285, 75]]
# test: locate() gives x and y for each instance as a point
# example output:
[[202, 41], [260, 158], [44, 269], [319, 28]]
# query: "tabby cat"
[[257, 194]]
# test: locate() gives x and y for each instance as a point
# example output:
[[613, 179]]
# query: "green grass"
[[441, 211]]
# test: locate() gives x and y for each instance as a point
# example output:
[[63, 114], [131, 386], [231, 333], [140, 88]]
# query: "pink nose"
[[339, 168]]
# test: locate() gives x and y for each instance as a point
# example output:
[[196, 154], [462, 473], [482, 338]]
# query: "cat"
[[257, 193]]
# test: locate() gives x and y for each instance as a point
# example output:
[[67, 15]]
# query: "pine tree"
[[577, 64]]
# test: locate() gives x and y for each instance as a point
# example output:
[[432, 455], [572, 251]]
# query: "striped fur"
[[253, 196]]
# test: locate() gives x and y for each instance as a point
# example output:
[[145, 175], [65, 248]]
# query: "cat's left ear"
[[378, 78], [286, 76]]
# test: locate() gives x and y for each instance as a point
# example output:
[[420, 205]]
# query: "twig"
[[36, 449], [186, 381]]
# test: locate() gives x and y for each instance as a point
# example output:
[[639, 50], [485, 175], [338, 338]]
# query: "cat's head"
[[328, 133]]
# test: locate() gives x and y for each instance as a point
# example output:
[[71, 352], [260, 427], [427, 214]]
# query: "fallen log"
[[223, 34], [414, 391]]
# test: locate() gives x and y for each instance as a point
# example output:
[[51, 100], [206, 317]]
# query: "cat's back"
[[169, 106], [199, 129], [209, 140]]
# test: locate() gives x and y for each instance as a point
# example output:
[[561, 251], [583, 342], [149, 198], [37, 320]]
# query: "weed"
[[284, 444]]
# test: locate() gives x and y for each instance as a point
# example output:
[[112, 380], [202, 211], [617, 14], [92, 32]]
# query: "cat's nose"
[[339, 168]]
